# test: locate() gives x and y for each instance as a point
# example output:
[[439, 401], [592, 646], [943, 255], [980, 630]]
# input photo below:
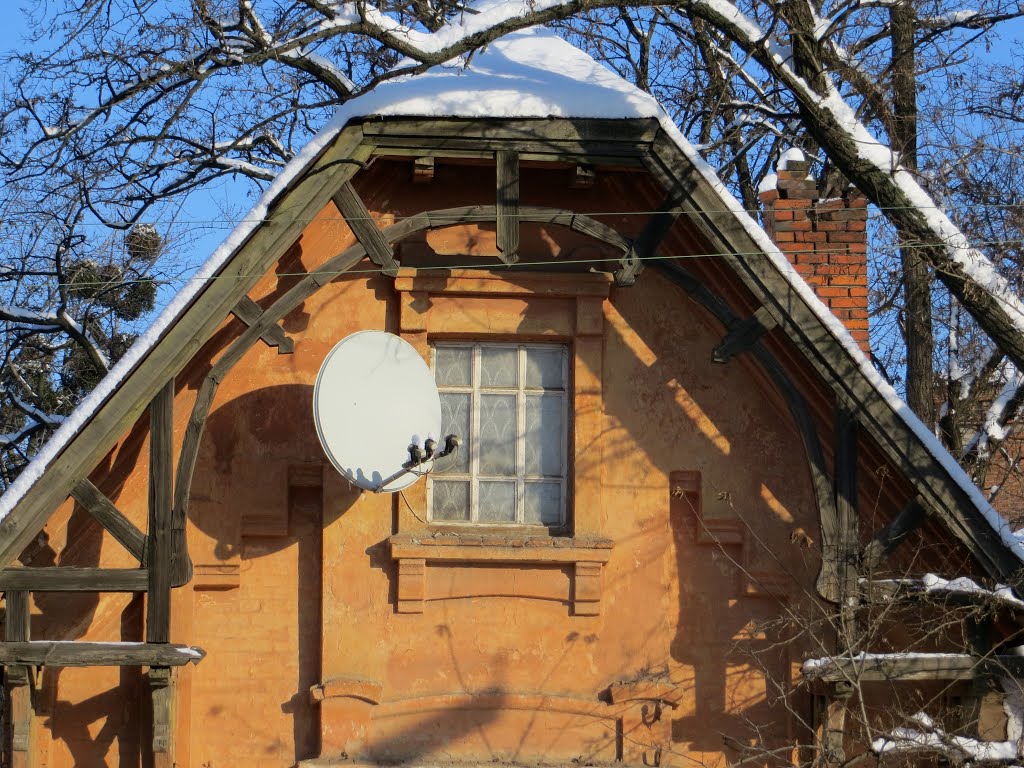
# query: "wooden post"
[[848, 544], [159, 560], [831, 751], [507, 224], [161, 690], [18, 686]]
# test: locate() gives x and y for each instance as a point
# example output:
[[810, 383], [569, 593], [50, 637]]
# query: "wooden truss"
[[585, 144]]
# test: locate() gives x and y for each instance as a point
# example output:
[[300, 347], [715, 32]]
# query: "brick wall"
[[825, 239]]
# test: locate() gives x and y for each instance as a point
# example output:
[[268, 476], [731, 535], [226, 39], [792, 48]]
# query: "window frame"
[[476, 389]]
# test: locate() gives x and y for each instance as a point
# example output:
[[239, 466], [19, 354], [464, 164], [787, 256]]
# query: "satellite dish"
[[374, 397]]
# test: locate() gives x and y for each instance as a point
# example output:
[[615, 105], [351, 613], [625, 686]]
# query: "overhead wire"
[[495, 264]]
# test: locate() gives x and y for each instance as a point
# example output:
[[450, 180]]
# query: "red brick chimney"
[[825, 239]]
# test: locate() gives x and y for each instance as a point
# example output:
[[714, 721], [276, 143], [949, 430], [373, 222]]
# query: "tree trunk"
[[917, 291]]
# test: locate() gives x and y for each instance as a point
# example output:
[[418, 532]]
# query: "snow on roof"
[[531, 73]]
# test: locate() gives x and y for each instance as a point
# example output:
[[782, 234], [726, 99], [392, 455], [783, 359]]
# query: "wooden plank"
[[248, 311], [911, 667], [838, 368], [847, 524], [296, 206], [17, 678], [433, 131], [110, 517], [422, 170], [187, 458], [507, 221], [70, 579], [161, 690], [885, 542], [742, 335], [61, 653], [17, 620], [161, 502], [358, 218], [646, 245]]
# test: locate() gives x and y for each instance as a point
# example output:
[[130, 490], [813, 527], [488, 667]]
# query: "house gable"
[[823, 401]]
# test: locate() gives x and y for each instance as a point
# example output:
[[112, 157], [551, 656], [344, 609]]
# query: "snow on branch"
[[925, 736]]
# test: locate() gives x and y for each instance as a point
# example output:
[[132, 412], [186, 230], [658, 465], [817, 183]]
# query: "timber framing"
[[881, 668], [591, 142], [642, 144]]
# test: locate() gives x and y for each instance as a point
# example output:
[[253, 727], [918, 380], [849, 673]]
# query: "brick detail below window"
[[826, 240]]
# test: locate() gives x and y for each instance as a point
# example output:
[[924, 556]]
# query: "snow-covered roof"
[[527, 74]]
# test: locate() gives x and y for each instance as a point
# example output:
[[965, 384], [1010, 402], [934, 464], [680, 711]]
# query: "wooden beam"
[[70, 579], [848, 528], [742, 335], [358, 218], [507, 222], [550, 132], [579, 141], [187, 458], [647, 243], [248, 311], [891, 536], [54, 653], [161, 502], [904, 667], [423, 170], [20, 713], [110, 517], [885, 591], [161, 691]]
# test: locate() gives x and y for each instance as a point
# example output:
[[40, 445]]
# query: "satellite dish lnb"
[[374, 398]]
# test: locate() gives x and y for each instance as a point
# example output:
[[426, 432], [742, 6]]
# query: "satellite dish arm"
[[418, 456]]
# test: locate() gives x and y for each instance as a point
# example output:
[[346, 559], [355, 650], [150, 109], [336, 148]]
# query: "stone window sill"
[[413, 551]]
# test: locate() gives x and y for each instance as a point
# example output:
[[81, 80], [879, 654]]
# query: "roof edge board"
[[547, 129], [843, 375], [193, 325]]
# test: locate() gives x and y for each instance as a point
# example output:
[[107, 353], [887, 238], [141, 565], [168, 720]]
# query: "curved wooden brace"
[[829, 578], [328, 271]]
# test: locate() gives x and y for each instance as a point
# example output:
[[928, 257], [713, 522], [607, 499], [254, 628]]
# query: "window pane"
[[497, 502], [451, 500], [498, 435], [453, 366], [543, 503], [544, 368], [498, 367], [544, 435], [455, 421]]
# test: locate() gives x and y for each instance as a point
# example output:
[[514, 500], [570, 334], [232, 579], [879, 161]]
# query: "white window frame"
[[475, 390]]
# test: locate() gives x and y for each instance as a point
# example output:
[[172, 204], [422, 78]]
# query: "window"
[[509, 404]]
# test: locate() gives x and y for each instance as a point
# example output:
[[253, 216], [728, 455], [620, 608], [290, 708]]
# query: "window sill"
[[413, 552]]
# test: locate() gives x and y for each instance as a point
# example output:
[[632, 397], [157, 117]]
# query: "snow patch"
[[791, 155]]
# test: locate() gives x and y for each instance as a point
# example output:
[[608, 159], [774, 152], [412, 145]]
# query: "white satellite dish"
[[374, 397]]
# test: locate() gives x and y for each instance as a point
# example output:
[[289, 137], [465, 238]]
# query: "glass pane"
[[455, 421], [498, 435], [453, 366], [544, 435], [543, 503], [451, 500], [544, 368], [497, 502], [498, 367]]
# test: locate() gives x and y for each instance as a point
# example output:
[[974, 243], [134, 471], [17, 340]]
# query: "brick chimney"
[[825, 239]]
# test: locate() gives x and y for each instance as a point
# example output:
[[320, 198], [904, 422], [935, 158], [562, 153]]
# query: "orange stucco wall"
[[295, 585]]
